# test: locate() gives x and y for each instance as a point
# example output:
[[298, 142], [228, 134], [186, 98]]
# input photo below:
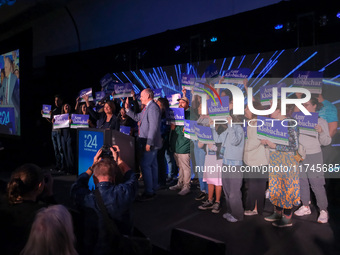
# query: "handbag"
[[300, 153], [123, 244]]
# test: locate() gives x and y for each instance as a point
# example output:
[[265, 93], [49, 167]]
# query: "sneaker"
[[274, 217], [201, 196], [229, 217], [283, 222], [303, 210], [323, 217], [250, 212], [176, 187], [184, 191], [216, 207], [206, 205]]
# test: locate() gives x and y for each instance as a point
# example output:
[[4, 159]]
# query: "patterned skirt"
[[284, 188]]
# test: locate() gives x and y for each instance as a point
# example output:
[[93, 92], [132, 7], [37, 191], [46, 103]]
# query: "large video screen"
[[10, 93]]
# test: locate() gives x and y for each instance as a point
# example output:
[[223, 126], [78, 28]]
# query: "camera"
[[106, 152]]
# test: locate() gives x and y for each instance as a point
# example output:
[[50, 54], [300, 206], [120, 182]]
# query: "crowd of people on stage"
[[167, 159]]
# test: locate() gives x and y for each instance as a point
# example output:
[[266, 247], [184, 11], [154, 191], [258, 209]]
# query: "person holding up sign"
[[284, 190], [106, 119], [309, 174]]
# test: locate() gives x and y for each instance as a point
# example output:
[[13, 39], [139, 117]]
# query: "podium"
[[90, 140]]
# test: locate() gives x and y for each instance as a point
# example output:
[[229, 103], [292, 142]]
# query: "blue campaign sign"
[[89, 142]]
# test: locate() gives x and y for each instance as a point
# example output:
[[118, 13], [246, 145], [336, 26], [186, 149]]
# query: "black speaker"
[[184, 242]]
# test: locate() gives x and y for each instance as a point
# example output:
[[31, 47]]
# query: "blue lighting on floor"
[[256, 58], [118, 77], [177, 47], [331, 82], [222, 65]]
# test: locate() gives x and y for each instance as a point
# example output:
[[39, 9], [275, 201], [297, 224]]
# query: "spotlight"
[[213, 39], [338, 15], [278, 27], [177, 47]]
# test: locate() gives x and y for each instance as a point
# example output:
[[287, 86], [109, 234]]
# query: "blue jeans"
[[149, 166], [171, 163], [58, 153], [200, 160]]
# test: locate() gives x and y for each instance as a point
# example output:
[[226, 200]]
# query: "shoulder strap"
[[109, 223]]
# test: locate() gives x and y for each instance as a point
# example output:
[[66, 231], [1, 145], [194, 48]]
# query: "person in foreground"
[[51, 233], [118, 187]]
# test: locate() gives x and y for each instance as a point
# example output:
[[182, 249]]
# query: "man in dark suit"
[[149, 141]]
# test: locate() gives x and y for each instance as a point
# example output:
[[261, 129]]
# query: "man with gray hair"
[[148, 141]]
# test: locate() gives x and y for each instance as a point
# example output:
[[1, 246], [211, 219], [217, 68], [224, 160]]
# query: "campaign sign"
[[236, 75], [204, 134], [87, 92], [99, 96], [310, 80], [157, 93], [107, 79], [46, 110], [123, 90], [61, 121], [7, 118], [125, 130], [216, 110], [189, 129], [267, 92], [272, 130], [176, 116], [89, 142], [307, 123], [188, 81], [173, 100], [79, 121], [198, 88]]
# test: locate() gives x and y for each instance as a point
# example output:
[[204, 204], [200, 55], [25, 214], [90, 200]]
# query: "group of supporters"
[[26, 210], [164, 153]]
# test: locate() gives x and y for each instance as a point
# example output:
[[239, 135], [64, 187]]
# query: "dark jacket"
[[101, 119], [118, 201], [178, 143]]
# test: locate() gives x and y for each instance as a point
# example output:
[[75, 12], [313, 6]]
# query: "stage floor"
[[157, 218]]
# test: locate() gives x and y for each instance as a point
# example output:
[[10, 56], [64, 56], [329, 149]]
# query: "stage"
[[157, 218]]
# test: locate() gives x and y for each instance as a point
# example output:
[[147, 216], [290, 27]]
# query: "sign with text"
[[236, 75], [89, 142], [267, 93], [173, 100], [204, 134], [123, 90], [87, 92], [310, 80], [189, 129], [125, 130], [188, 81], [216, 110], [46, 109], [79, 121], [272, 130], [157, 93], [307, 123], [176, 116], [99, 96], [61, 121]]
